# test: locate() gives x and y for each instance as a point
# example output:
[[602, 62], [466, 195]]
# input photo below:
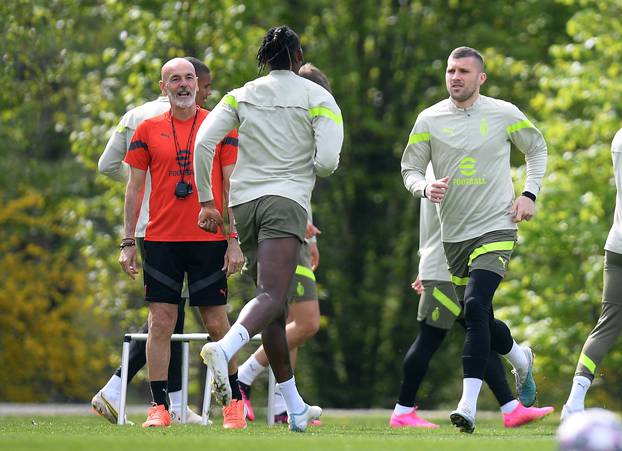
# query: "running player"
[[439, 308], [290, 131], [303, 320], [609, 324], [468, 138]]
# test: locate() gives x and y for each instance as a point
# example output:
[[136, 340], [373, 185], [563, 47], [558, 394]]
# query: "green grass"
[[360, 433]]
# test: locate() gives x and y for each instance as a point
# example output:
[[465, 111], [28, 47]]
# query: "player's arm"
[[133, 199], [311, 234], [234, 258], [213, 129], [529, 140], [111, 160], [616, 156], [415, 159], [327, 124], [417, 285]]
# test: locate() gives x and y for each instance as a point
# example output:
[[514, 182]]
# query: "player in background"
[[609, 324]]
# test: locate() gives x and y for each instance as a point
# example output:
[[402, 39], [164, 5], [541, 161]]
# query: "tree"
[[557, 277]]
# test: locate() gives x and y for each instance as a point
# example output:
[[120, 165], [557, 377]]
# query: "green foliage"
[[553, 298], [71, 69]]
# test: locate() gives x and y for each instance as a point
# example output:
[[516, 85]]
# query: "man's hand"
[[435, 191], [523, 209], [127, 260], [315, 256], [312, 231], [417, 285], [209, 218], [234, 258]]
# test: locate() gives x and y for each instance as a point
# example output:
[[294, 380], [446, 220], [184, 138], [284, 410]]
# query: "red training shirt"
[[153, 148]]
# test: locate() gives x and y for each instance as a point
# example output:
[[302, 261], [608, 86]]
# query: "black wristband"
[[424, 194], [529, 195], [127, 242]]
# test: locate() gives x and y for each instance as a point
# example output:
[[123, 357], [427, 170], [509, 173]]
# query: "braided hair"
[[278, 48]]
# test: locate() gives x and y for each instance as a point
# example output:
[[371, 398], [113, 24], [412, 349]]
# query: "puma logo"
[[503, 262]]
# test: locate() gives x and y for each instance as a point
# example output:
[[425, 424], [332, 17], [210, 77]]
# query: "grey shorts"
[[491, 252], [439, 306], [612, 283], [268, 217], [303, 287]]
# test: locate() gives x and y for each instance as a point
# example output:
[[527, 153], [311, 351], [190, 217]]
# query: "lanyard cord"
[[177, 149]]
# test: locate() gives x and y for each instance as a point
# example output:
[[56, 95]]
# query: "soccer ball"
[[591, 430]]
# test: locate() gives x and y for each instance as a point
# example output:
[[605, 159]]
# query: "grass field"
[[361, 433]]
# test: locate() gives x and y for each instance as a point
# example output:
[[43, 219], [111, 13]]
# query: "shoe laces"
[[156, 411], [233, 410]]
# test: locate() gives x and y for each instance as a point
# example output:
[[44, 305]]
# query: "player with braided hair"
[[270, 195], [279, 49]]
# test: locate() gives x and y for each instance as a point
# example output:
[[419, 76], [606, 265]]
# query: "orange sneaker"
[[234, 415], [157, 416]]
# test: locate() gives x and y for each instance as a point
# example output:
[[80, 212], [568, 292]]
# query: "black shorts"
[[166, 263]]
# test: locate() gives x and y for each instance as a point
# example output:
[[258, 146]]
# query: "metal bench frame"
[[185, 352]]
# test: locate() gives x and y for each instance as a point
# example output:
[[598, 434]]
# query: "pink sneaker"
[[410, 420], [245, 390], [523, 415]]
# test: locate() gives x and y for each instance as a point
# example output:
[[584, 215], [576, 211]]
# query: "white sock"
[[175, 399], [518, 359], [402, 410], [509, 407], [580, 386], [293, 400], [279, 402], [249, 370], [112, 389], [470, 392], [234, 340]]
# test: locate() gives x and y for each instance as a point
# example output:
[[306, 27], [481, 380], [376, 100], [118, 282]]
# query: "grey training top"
[[614, 240], [472, 147], [290, 130]]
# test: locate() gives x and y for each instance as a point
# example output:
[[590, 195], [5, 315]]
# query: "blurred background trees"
[[72, 68]]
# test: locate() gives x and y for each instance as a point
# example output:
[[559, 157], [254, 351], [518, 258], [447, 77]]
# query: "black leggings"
[[483, 333], [138, 356], [421, 352]]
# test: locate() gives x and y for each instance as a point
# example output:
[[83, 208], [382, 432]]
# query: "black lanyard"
[[178, 154]]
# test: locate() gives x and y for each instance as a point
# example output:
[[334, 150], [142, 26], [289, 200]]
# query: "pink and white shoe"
[[410, 420], [245, 390], [522, 415]]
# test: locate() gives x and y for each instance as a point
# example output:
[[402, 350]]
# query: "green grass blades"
[[357, 433]]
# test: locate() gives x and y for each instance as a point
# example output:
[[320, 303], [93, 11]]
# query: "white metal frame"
[[185, 351]]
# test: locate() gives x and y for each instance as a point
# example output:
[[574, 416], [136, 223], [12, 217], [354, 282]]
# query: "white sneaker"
[[107, 408], [463, 419], [568, 411], [191, 417], [215, 359], [298, 422]]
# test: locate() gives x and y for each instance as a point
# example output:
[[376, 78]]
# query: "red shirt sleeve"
[[229, 149], [137, 154]]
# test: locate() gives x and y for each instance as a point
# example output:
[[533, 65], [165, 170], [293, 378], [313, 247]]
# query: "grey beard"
[[183, 102]]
